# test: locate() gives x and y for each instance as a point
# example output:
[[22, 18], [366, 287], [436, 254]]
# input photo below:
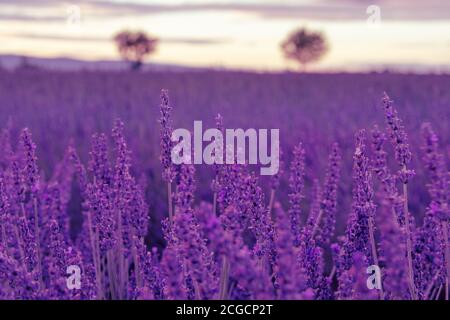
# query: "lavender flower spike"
[[403, 156], [329, 198], [396, 132], [166, 145], [31, 169], [32, 181], [296, 185], [438, 189], [388, 181]]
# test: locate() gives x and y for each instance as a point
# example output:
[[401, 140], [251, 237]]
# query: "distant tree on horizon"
[[304, 46], [135, 46]]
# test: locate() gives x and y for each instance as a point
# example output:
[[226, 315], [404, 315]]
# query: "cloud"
[[55, 37], [321, 9], [24, 17], [271, 10], [170, 40], [325, 9], [196, 41], [28, 2]]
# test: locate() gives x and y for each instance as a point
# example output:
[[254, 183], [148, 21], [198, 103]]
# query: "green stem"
[[20, 244], [412, 287], [427, 296], [223, 292], [4, 242], [438, 292], [111, 274], [332, 273], [447, 257], [95, 258], [38, 242], [120, 257], [136, 264], [271, 201], [317, 223], [215, 203], [169, 200], [374, 252]]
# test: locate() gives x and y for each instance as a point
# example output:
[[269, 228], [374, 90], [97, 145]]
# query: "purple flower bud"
[[17, 283], [388, 180], [439, 184], [175, 287], [196, 259], [99, 161], [329, 197], [166, 143], [290, 278], [31, 169], [296, 185], [363, 207], [397, 132]]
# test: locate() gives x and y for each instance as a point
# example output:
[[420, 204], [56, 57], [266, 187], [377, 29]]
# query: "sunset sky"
[[237, 34]]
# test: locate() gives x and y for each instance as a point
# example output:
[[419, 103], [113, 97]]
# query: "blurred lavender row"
[[358, 187]]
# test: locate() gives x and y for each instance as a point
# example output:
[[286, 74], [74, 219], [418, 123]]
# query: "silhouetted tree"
[[134, 46], [304, 46]]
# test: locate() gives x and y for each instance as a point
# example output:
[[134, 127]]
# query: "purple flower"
[[166, 138], [4, 207], [30, 247], [353, 282], [5, 145], [99, 161], [397, 132], [57, 247], [174, 286], [388, 180], [329, 197], [289, 276], [18, 182], [276, 178], [363, 207], [122, 187], [229, 183], [430, 251], [428, 254], [139, 216], [219, 241], [31, 169], [149, 271], [101, 207], [439, 185], [392, 256], [80, 170], [196, 259], [260, 222], [184, 197], [296, 185], [17, 283], [187, 237], [314, 211], [252, 281], [218, 167]]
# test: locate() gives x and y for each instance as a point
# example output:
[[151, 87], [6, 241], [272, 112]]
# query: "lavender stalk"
[[403, 156]]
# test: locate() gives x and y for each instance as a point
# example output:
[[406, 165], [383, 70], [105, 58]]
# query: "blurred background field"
[[317, 109]]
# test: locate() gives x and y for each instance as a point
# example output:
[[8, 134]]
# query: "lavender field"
[[86, 182]]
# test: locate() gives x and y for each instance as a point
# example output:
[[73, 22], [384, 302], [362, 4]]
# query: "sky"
[[244, 34]]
